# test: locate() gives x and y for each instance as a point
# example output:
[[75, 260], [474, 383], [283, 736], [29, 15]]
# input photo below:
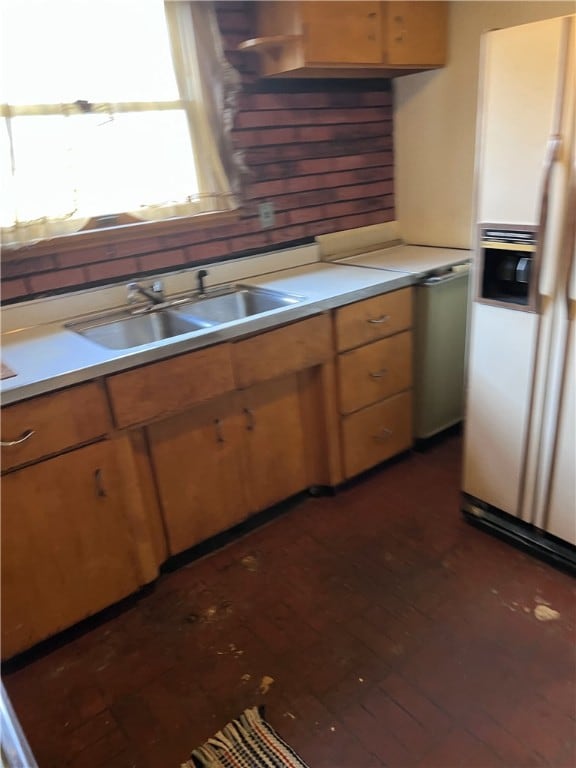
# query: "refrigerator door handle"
[[544, 266], [541, 274], [570, 235]]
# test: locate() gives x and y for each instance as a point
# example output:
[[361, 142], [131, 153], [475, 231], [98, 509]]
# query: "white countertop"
[[418, 260], [47, 356]]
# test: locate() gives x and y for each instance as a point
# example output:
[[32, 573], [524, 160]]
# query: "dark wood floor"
[[376, 626]]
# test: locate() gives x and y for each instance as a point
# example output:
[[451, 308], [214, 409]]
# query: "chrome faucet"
[[155, 293]]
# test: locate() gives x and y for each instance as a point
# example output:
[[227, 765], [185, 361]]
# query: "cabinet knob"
[[26, 435]]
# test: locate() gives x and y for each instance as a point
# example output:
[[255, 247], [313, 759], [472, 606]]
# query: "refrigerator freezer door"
[[518, 101]]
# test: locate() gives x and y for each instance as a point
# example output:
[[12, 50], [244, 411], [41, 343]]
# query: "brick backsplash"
[[320, 151]]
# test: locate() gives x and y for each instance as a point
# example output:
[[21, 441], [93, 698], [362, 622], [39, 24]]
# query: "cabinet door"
[[196, 457], [67, 550], [415, 33], [274, 442], [342, 32]]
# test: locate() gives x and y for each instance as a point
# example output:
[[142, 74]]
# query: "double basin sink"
[[124, 329]]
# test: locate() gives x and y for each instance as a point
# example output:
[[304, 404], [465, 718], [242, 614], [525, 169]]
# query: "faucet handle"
[[133, 292], [200, 275]]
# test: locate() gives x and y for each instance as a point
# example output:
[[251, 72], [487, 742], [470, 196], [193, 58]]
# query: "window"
[[113, 111]]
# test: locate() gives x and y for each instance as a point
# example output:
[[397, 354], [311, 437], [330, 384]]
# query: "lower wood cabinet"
[[274, 442], [197, 443], [197, 461], [222, 461], [67, 544], [374, 363]]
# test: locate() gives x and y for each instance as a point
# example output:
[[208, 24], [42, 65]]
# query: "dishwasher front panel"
[[440, 348]]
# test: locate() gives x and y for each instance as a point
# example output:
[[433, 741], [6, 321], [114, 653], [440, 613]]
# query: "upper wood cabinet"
[[305, 38]]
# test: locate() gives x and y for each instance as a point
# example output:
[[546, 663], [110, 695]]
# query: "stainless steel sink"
[[235, 304], [123, 330]]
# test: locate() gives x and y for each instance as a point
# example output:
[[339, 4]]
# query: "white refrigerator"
[[519, 475]]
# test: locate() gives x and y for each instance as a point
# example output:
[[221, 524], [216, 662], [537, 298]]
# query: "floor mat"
[[247, 742]]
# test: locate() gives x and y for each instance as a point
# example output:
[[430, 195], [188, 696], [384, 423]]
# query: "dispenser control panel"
[[507, 267]]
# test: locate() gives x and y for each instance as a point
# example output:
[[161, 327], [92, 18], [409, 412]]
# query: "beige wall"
[[434, 126]]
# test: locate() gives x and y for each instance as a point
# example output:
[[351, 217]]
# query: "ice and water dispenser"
[[507, 271]]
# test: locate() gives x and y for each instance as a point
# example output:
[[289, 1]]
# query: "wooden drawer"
[[373, 319], [143, 394], [285, 350], [376, 371], [58, 421], [377, 433]]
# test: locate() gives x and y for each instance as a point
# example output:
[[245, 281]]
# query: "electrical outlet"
[[266, 214]]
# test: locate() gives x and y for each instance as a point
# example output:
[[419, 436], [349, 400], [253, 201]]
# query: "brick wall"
[[321, 152]]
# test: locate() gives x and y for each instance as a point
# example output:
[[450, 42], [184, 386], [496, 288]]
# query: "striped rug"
[[248, 742]]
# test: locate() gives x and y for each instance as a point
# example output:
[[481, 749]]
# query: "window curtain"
[[164, 132], [209, 87]]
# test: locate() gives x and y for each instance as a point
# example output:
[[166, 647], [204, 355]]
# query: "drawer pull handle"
[[100, 490], [26, 435], [249, 419], [219, 435], [379, 320], [382, 436], [378, 374]]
